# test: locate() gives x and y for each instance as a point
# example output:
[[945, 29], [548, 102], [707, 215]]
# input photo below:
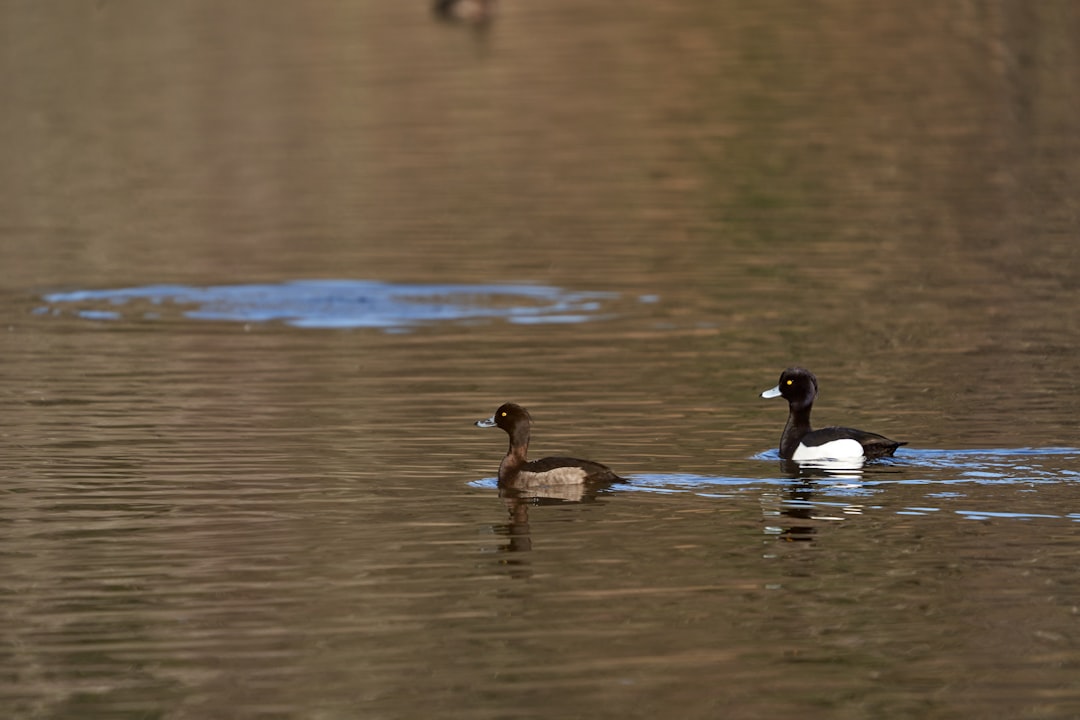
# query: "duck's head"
[[797, 385]]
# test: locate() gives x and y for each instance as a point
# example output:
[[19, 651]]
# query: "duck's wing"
[[874, 445]]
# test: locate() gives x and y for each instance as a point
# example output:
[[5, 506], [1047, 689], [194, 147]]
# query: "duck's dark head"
[[510, 417], [797, 385]]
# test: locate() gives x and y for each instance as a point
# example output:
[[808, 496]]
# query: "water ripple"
[[336, 303]]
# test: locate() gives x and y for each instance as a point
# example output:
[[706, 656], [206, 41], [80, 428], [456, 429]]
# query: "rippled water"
[[263, 267], [336, 303]]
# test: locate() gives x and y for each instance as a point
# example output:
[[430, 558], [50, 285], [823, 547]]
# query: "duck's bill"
[[771, 392], [489, 422]]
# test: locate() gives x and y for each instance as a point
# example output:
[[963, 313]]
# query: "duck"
[[517, 471], [800, 443], [471, 11]]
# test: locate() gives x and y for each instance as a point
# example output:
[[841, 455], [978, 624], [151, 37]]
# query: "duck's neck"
[[798, 425], [516, 454]]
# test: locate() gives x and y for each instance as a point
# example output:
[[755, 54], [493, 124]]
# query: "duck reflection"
[[789, 516], [823, 469], [516, 529], [519, 500], [793, 515]]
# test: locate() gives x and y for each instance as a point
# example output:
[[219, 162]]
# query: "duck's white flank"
[[845, 449]]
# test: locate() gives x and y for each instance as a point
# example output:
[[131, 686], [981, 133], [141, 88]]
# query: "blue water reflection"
[[984, 466], [338, 303], [917, 467], [818, 495]]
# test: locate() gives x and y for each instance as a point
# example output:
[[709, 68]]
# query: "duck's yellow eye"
[[504, 414], [788, 382]]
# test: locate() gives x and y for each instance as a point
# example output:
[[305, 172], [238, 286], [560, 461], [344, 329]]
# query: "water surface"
[[263, 267]]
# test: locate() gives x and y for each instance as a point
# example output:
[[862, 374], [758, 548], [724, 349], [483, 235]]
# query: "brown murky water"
[[231, 491]]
